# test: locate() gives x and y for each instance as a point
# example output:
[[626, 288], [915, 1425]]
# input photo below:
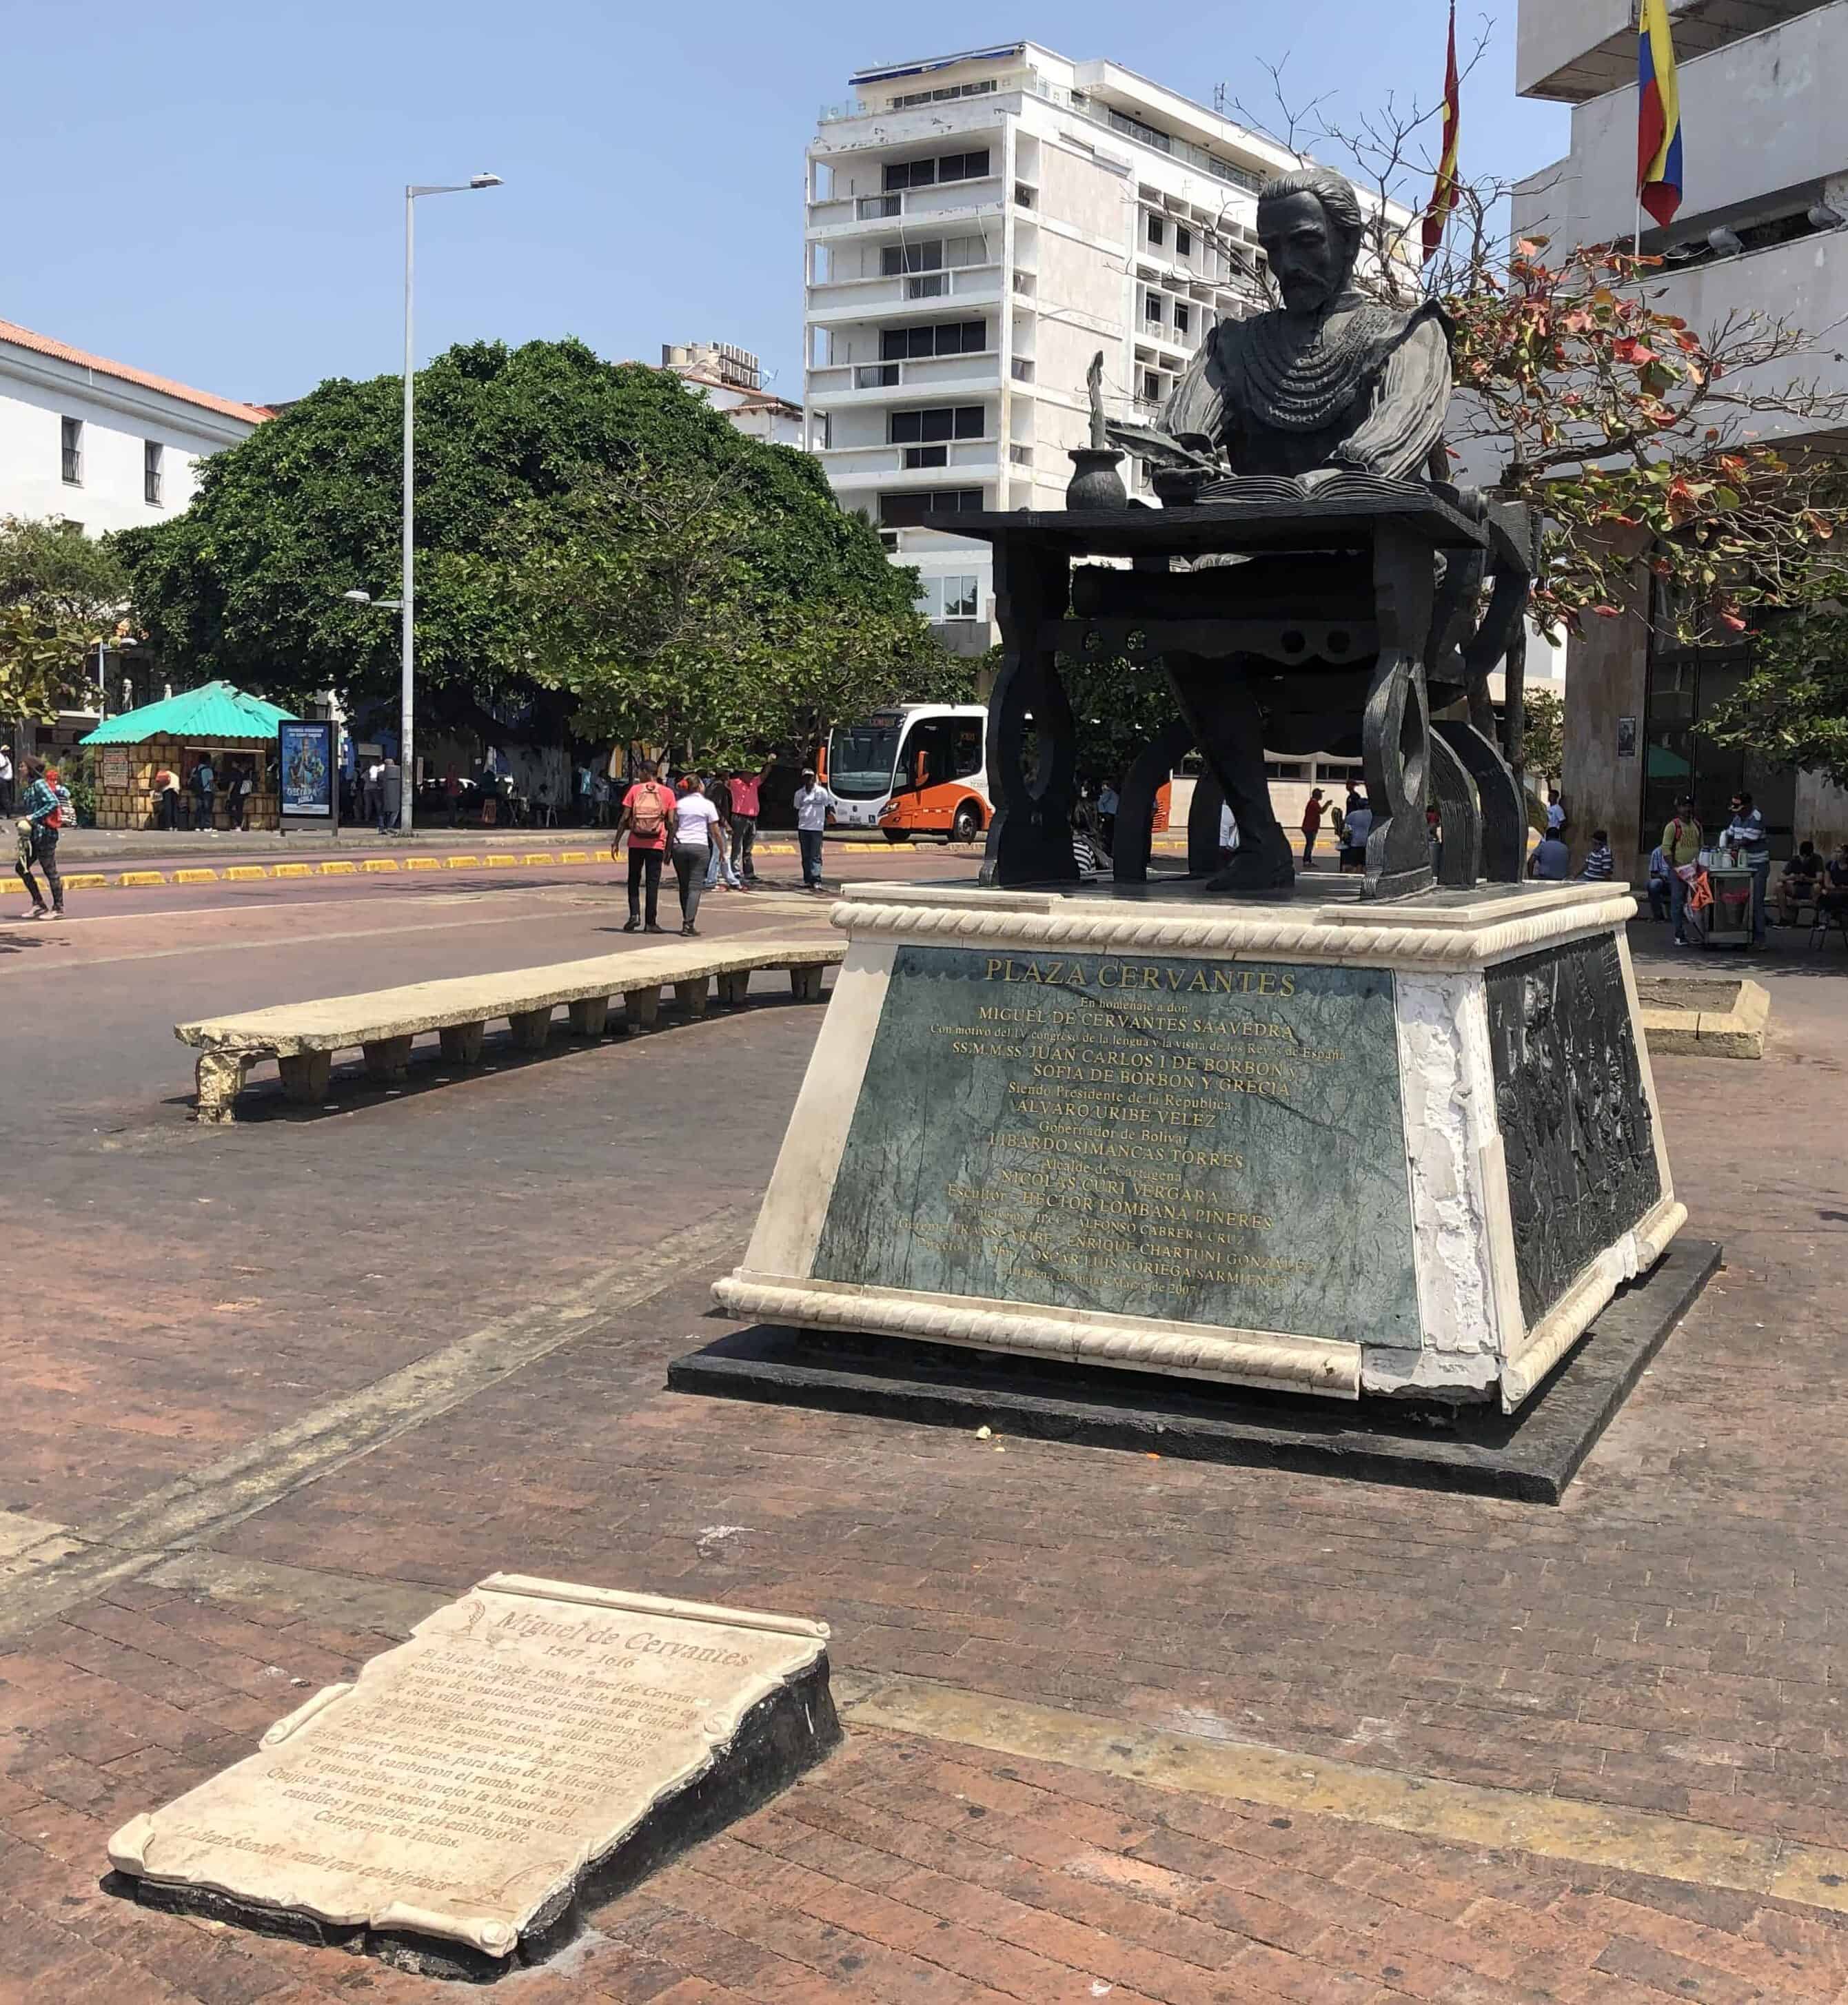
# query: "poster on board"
[[305, 761]]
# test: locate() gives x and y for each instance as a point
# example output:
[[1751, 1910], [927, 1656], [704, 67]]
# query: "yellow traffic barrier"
[[575, 856], [247, 873], [423, 863], [295, 870], [337, 869], [462, 863], [132, 880], [376, 865], [539, 856], [196, 876], [88, 881], [502, 860]]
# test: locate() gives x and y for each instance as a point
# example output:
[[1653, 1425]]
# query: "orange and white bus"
[[916, 769]]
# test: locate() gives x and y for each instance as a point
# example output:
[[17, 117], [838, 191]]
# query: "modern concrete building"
[[979, 225], [732, 380], [98, 444], [1760, 230]]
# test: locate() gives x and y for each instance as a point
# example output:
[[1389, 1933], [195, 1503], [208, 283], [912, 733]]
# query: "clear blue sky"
[[211, 189]]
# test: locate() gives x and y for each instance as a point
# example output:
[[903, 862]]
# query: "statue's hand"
[[1320, 476]]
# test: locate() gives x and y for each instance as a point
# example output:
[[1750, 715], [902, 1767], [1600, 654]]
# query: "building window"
[[945, 167], [1023, 369], [1151, 387], [916, 456], [153, 453], [911, 97], [954, 337], [1183, 317], [1151, 308], [1023, 195], [1157, 231], [1183, 241], [927, 286], [916, 511], [875, 376], [72, 439], [1021, 455], [959, 598], [945, 421], [870, 208], [925, 257]]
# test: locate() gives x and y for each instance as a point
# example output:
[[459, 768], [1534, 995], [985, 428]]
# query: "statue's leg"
[[1396, 726], [1030, 838], [1135, 801], [1504, 812], [1460, 862], [1217, 703]]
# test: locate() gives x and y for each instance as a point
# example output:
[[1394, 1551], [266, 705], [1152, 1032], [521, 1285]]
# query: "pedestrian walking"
[[1109, 801], [1745, 836], [647, 812], [812, 802], [47, 808], [1682, 841], [390, 794], [1312, 825], [5, 779], [205, 791], [746, 803], [721, 866], [696, 830]]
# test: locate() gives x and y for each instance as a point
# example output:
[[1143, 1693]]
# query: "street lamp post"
[[407, 753]]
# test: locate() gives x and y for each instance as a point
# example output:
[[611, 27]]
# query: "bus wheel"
[[967, 827], [897, 835]]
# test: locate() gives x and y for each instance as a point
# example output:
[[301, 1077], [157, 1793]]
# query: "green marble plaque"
[[1207, 1142]]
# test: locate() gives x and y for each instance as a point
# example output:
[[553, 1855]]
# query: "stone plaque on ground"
[[533, 1745]]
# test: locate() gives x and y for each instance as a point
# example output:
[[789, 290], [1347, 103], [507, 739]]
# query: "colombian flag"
[[1659, 106], [1443, 196]]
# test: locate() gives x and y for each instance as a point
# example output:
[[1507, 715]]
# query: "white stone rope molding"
[[1308, 1364], [1244, 935]]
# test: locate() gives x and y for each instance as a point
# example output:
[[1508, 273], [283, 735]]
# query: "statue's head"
[[1309, 223]]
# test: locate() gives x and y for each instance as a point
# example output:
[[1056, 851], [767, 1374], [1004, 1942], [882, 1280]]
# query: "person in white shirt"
[[5, 779], [1555, 812], [812, 802], [695, 820]]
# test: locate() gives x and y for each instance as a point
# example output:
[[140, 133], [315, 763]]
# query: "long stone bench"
[[303, 1037]]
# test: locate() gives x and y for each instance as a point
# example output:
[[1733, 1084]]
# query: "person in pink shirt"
[[745, 802]]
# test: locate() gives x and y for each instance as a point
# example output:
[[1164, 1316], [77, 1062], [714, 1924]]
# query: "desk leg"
[[1030, 839], [1395, 730]]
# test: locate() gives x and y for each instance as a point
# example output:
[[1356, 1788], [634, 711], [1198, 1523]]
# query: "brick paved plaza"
[[1118, 1727]]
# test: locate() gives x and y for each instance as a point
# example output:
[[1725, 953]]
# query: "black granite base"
[[1531, 1455], [782, 1735]]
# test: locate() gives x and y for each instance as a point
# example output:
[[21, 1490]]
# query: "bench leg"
[[805, 983], [734, 987], [530, 1029], [305, 1077], [642, 1008], [462, 1042], [691, 995], [590, 1017], [220, 1077], [386, 1058]]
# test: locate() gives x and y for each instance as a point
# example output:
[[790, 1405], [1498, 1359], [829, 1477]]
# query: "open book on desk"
[[1280, 491]]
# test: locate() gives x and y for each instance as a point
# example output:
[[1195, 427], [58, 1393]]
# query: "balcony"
[[876, 382], [969, 463], [904, 295], [866, 213], [1576, 50]]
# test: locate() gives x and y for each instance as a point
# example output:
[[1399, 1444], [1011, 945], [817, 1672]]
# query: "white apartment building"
[[1760, 230], [732, 380], [978, 227], [97, 444]]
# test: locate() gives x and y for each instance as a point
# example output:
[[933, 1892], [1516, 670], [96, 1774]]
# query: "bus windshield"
[[861, 758]]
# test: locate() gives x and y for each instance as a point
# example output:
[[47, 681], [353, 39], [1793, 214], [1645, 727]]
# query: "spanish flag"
[[1659, 108], [1443, 196]]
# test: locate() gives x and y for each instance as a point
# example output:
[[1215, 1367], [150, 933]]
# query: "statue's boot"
[[1264, 862]]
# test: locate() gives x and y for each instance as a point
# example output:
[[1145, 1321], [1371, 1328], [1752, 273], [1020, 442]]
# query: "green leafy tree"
[[60, 594], [541, 471], [1792, 705], [1543, 732]]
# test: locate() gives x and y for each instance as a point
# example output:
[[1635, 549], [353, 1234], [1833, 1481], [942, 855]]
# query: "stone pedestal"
[[1322, 1147]]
